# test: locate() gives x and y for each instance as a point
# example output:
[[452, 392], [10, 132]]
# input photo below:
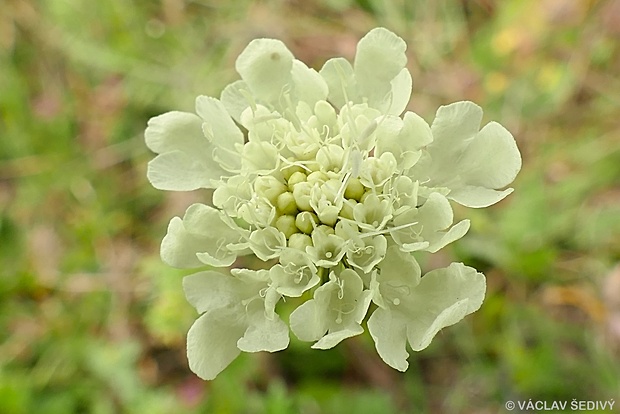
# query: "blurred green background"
[[92, 322]]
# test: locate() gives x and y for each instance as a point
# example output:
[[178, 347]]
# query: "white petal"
[[401, 92], [434, 215], [309, 321], [471, 164], [178, 248], [234, 97], [416, 131], [264, 334], [265, 66], [338, 74], [210, 260], [334, 338], [454, 124], [185, 162], [367, 261], [478, 197], [310, 87], [400, 266], [202, 229], [403, 137], [389, 331], [176, 131], [389, 138], [380, 57], [443, 297], [338, 306], [492, 159], [267, 243], [363, 303], [180, 171], [260, 157], [397, 269], [452, 129], [212, 343], [221, 131], [420, 335], [295, 274], [444, 238], [211, 290]]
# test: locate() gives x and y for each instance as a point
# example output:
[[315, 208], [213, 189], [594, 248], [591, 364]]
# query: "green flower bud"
[[299, 241], [286, 224], [295, 178], [317, 177], [365, 196], [325, 229], [301, 192], [354, 189], [286, 203], [306, 221]]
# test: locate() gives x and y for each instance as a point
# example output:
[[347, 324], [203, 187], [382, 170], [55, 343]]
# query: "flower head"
[[333, 183]]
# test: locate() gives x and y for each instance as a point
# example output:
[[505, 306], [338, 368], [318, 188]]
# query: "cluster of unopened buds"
[[321, 177]]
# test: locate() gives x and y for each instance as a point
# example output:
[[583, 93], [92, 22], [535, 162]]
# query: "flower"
[[338, 188]]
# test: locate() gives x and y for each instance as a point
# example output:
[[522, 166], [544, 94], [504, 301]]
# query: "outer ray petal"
[[263, 333], [265, 66], [492, 159], [181, 171], [235, 97], [389, 331], [401, 92], [472, 164], [478, 197], [340, 79], [212, 342], [202, 230], [221, 131], [334, 338], [379, 59], [310, 87], [443, 297], [184, 162], [210, 290], [309, 321]]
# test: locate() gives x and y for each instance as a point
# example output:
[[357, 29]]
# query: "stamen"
[[387, 230], [340, 284], [246, 302], [340, 194], [221, 244], [291, 163]]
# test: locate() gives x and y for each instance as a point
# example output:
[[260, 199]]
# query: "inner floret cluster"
[[320, 176]]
